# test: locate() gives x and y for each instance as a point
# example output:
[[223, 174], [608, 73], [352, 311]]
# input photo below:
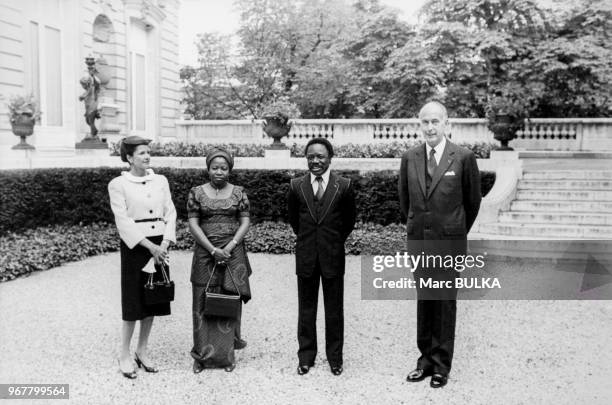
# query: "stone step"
[[556, 218], [565, 184], [562, 206], [543, 231], [564, 195], [567, 175], [540, 248]]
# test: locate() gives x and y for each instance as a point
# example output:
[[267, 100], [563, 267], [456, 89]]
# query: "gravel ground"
[[62, 326]]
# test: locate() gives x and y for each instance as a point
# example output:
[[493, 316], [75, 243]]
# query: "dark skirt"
[[133, 280]]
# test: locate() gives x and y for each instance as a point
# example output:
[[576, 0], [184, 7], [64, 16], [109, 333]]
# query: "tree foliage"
[[335, 59]]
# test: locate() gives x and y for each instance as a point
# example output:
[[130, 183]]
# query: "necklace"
[[217, 189]]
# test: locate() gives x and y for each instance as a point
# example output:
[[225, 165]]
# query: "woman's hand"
[[221, 255], [159, 254]]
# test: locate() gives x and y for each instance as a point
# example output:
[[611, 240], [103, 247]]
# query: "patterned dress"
[[214, 337]]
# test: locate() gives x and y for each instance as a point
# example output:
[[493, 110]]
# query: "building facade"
[[134, 43]]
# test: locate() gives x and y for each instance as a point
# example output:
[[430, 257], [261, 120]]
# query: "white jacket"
[[135, 198]]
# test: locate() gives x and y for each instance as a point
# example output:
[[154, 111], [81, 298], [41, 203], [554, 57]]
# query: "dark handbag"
[[223, 305], [159, 292]]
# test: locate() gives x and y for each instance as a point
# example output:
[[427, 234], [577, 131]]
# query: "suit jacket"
[[321, 231], [448, 209]]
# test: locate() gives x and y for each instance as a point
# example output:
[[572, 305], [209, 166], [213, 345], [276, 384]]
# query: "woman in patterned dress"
[[218, 220]]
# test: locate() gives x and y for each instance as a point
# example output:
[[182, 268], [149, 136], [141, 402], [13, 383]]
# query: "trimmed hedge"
[[60, 244], [393, 149], [43, 197]]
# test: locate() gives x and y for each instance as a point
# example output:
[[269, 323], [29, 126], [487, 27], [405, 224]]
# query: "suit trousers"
[[333, 300], [436, 334]]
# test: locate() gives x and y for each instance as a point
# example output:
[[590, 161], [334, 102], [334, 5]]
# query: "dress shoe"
[[418, 374], [336, 370], [303, 369], [127, 374], [239, 344], [438, 380], [197, 367], [140, 364]]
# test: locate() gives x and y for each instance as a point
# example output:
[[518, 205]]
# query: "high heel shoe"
[[129, 374], [146, 368]]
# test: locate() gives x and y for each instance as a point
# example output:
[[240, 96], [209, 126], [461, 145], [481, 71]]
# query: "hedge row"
[[378, 150], [47, 247], [42, 197]]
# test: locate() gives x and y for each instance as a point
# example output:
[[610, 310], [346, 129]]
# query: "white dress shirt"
[[439, 150], [133, 198], [315, 183]]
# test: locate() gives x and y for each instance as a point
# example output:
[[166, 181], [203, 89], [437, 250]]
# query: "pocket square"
[[450, 173]]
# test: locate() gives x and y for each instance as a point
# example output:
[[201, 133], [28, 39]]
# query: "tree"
[[372, 90], [210, 89], [287, 49], [575, 65]]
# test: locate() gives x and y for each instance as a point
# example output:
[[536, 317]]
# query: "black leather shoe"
[[239, 344], [418, 374], [303, 369], [197, 367], [146, 368], [438, 380], [230, 368], [336, 370]]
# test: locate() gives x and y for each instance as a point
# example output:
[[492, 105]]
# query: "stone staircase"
[[557, 203]]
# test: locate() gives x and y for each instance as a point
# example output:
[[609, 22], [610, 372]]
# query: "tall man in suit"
[[439, 191], [322, 214]]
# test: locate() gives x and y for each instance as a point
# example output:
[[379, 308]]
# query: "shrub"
[[377, 150], [47, 247], [198, 149], [41, 197]]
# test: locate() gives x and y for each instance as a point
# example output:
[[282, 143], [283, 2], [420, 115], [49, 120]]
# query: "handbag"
[[223, 305], [159, 292]]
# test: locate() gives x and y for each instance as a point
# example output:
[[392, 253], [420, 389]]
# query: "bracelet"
[[235, 242], [213, 251]]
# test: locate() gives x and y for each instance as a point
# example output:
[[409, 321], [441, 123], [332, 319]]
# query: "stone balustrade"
[[570, 134]]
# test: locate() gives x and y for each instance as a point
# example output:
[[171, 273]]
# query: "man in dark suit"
[[322, 214], [439, 191]]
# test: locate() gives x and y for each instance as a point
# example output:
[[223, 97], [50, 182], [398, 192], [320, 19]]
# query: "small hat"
[[136, 140]]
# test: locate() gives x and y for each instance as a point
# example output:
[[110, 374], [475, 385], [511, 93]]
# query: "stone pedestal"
[[91, 144], [277, 158], [109, 127]]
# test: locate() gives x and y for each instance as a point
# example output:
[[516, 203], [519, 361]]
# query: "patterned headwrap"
[[218, 152]]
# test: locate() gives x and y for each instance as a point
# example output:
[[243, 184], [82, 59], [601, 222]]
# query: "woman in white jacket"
[[146, 220]]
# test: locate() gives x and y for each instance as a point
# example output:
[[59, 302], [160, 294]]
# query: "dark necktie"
[[431, 163], [320, 190]]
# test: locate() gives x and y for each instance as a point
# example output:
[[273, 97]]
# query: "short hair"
[[437, 103], [321, 141]]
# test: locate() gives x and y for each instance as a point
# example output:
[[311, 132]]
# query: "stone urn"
[[504, 130], [23, 126], [276, 127]]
